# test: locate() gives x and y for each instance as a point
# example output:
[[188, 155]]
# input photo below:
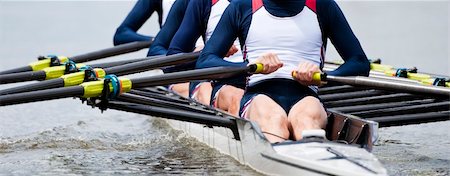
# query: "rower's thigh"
[[181, 88], [308, 113], [204, 93], [270, 116], [229, 95]]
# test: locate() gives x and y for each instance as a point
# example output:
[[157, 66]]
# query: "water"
[[66, 137]]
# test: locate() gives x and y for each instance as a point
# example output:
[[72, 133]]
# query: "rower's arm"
[[127, 31], [221, 40], [170, 27], [344, 40], [192, 27]]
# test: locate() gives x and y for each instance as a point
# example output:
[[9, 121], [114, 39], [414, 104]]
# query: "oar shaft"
[[21, 77], [42, 95], [391, 85], [108, 52], [191, 75], [400, 120], [17, 70], [175, 114], [47, 84], [116, 63], [152, 63]]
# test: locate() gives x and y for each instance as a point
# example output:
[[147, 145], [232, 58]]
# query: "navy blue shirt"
[[168, 30], [236, 20], [127, 31], [193, 26]]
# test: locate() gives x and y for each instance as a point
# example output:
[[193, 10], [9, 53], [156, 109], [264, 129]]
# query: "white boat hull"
[[306, 158]]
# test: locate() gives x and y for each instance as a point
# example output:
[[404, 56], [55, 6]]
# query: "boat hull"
[[291, 158]]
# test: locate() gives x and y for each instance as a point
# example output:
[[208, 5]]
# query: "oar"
[[378, 70], [95, 88], [58, 71], [87, 75], [383, 84], [178, 114], [45, 62]]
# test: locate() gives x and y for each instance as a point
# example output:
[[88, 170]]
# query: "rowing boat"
[[345, 152]]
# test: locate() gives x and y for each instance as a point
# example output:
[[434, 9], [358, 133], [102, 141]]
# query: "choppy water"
[[65, 137]]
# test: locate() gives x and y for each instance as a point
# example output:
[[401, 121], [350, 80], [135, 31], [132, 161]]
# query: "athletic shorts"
[[284, 92]]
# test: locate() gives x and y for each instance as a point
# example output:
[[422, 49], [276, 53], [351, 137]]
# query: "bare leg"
[[204, 93], [229, 98], [270, 117], [182, 89], [307, 114]]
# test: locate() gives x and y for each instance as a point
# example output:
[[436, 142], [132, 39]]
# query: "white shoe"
[[316, 133]]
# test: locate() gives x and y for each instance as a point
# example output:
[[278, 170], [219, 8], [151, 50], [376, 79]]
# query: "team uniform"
[[297, 31], [127, 31], [201, 19]]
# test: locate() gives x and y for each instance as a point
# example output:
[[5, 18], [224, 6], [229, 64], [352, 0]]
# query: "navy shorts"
[[284, 92]]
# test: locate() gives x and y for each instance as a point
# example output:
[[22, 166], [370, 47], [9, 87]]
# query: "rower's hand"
[[270, 61], [304, 73], [231, 51]]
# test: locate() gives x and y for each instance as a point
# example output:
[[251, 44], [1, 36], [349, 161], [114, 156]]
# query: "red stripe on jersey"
[[311, 4], [214, 1], [256, 4]]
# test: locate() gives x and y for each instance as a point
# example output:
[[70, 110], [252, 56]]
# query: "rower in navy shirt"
[[285, 36], [201, 19], [141, 12]]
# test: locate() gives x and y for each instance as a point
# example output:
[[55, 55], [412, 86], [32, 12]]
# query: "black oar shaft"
[[175, 114], [21, 77], [127, 97], [399, 120], [47, 84], [368, 106], [108, 52], [432, 107], [116, 63], [392, 85], [191, 75], [17, 70], [149, 64], [42, 95], [143, 64]]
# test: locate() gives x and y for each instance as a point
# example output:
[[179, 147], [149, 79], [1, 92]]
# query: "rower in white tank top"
[[217, 9], [294, 39]]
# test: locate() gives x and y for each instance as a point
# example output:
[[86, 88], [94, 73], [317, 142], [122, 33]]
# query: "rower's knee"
[[181, 88], [308, 113], [204, 93], [271, 118]]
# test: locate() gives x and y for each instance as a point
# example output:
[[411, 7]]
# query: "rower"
[[285, 36], [141, 12], [169, 22], [225, 96]]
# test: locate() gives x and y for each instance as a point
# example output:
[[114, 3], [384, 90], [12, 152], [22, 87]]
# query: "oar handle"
[[255, 68], [318, 77]]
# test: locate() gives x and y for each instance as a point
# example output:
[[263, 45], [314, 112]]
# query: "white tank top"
[[166, 5], [217, 9], [294, 39]]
